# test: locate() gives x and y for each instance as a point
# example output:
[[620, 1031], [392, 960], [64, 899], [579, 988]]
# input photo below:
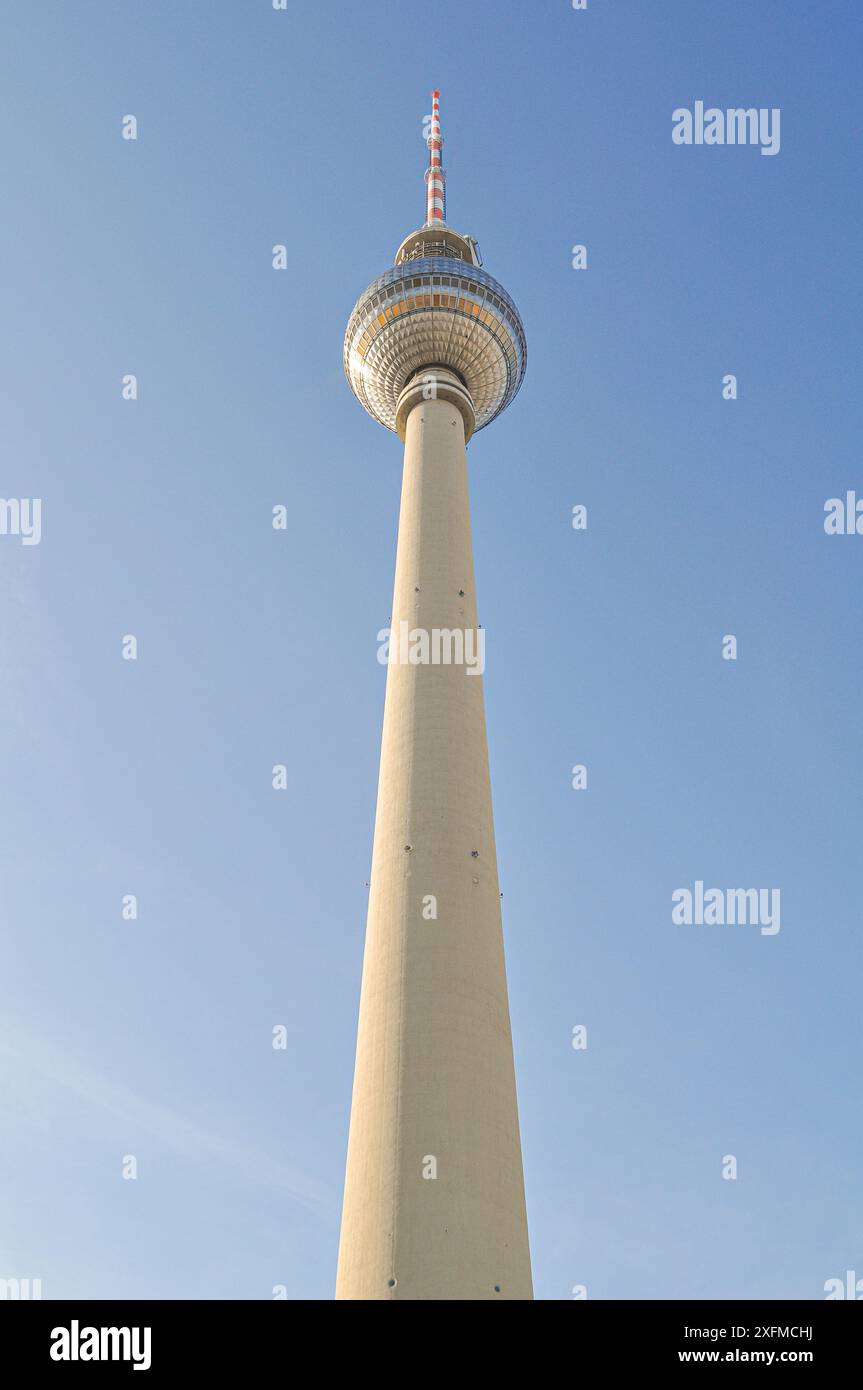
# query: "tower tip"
[[435, 176]]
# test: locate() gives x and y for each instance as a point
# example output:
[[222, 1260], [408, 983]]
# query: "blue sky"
[[256, 647]]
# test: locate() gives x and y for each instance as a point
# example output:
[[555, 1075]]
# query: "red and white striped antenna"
[[435, 176]]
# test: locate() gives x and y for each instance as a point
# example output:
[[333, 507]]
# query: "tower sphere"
[[429, 312], [435, 308]]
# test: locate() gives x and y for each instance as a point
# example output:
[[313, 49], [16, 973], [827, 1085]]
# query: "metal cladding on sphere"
[[435, 308], [435, 311]]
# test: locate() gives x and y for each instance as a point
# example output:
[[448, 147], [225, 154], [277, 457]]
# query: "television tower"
[[434, 1192]]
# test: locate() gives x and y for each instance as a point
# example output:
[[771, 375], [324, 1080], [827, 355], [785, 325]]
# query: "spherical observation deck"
[[435, 310]]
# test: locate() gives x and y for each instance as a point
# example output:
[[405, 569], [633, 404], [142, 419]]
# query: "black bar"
[[218, 1339]]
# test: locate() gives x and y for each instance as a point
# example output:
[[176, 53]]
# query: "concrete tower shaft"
[[434, 1076]]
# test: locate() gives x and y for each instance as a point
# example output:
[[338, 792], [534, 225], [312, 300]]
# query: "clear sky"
[[153, 1037]]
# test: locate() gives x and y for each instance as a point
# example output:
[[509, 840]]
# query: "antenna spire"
[[435, 176]]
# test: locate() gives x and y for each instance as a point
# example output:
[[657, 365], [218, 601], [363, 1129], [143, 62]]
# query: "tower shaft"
[[434, 1195]]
